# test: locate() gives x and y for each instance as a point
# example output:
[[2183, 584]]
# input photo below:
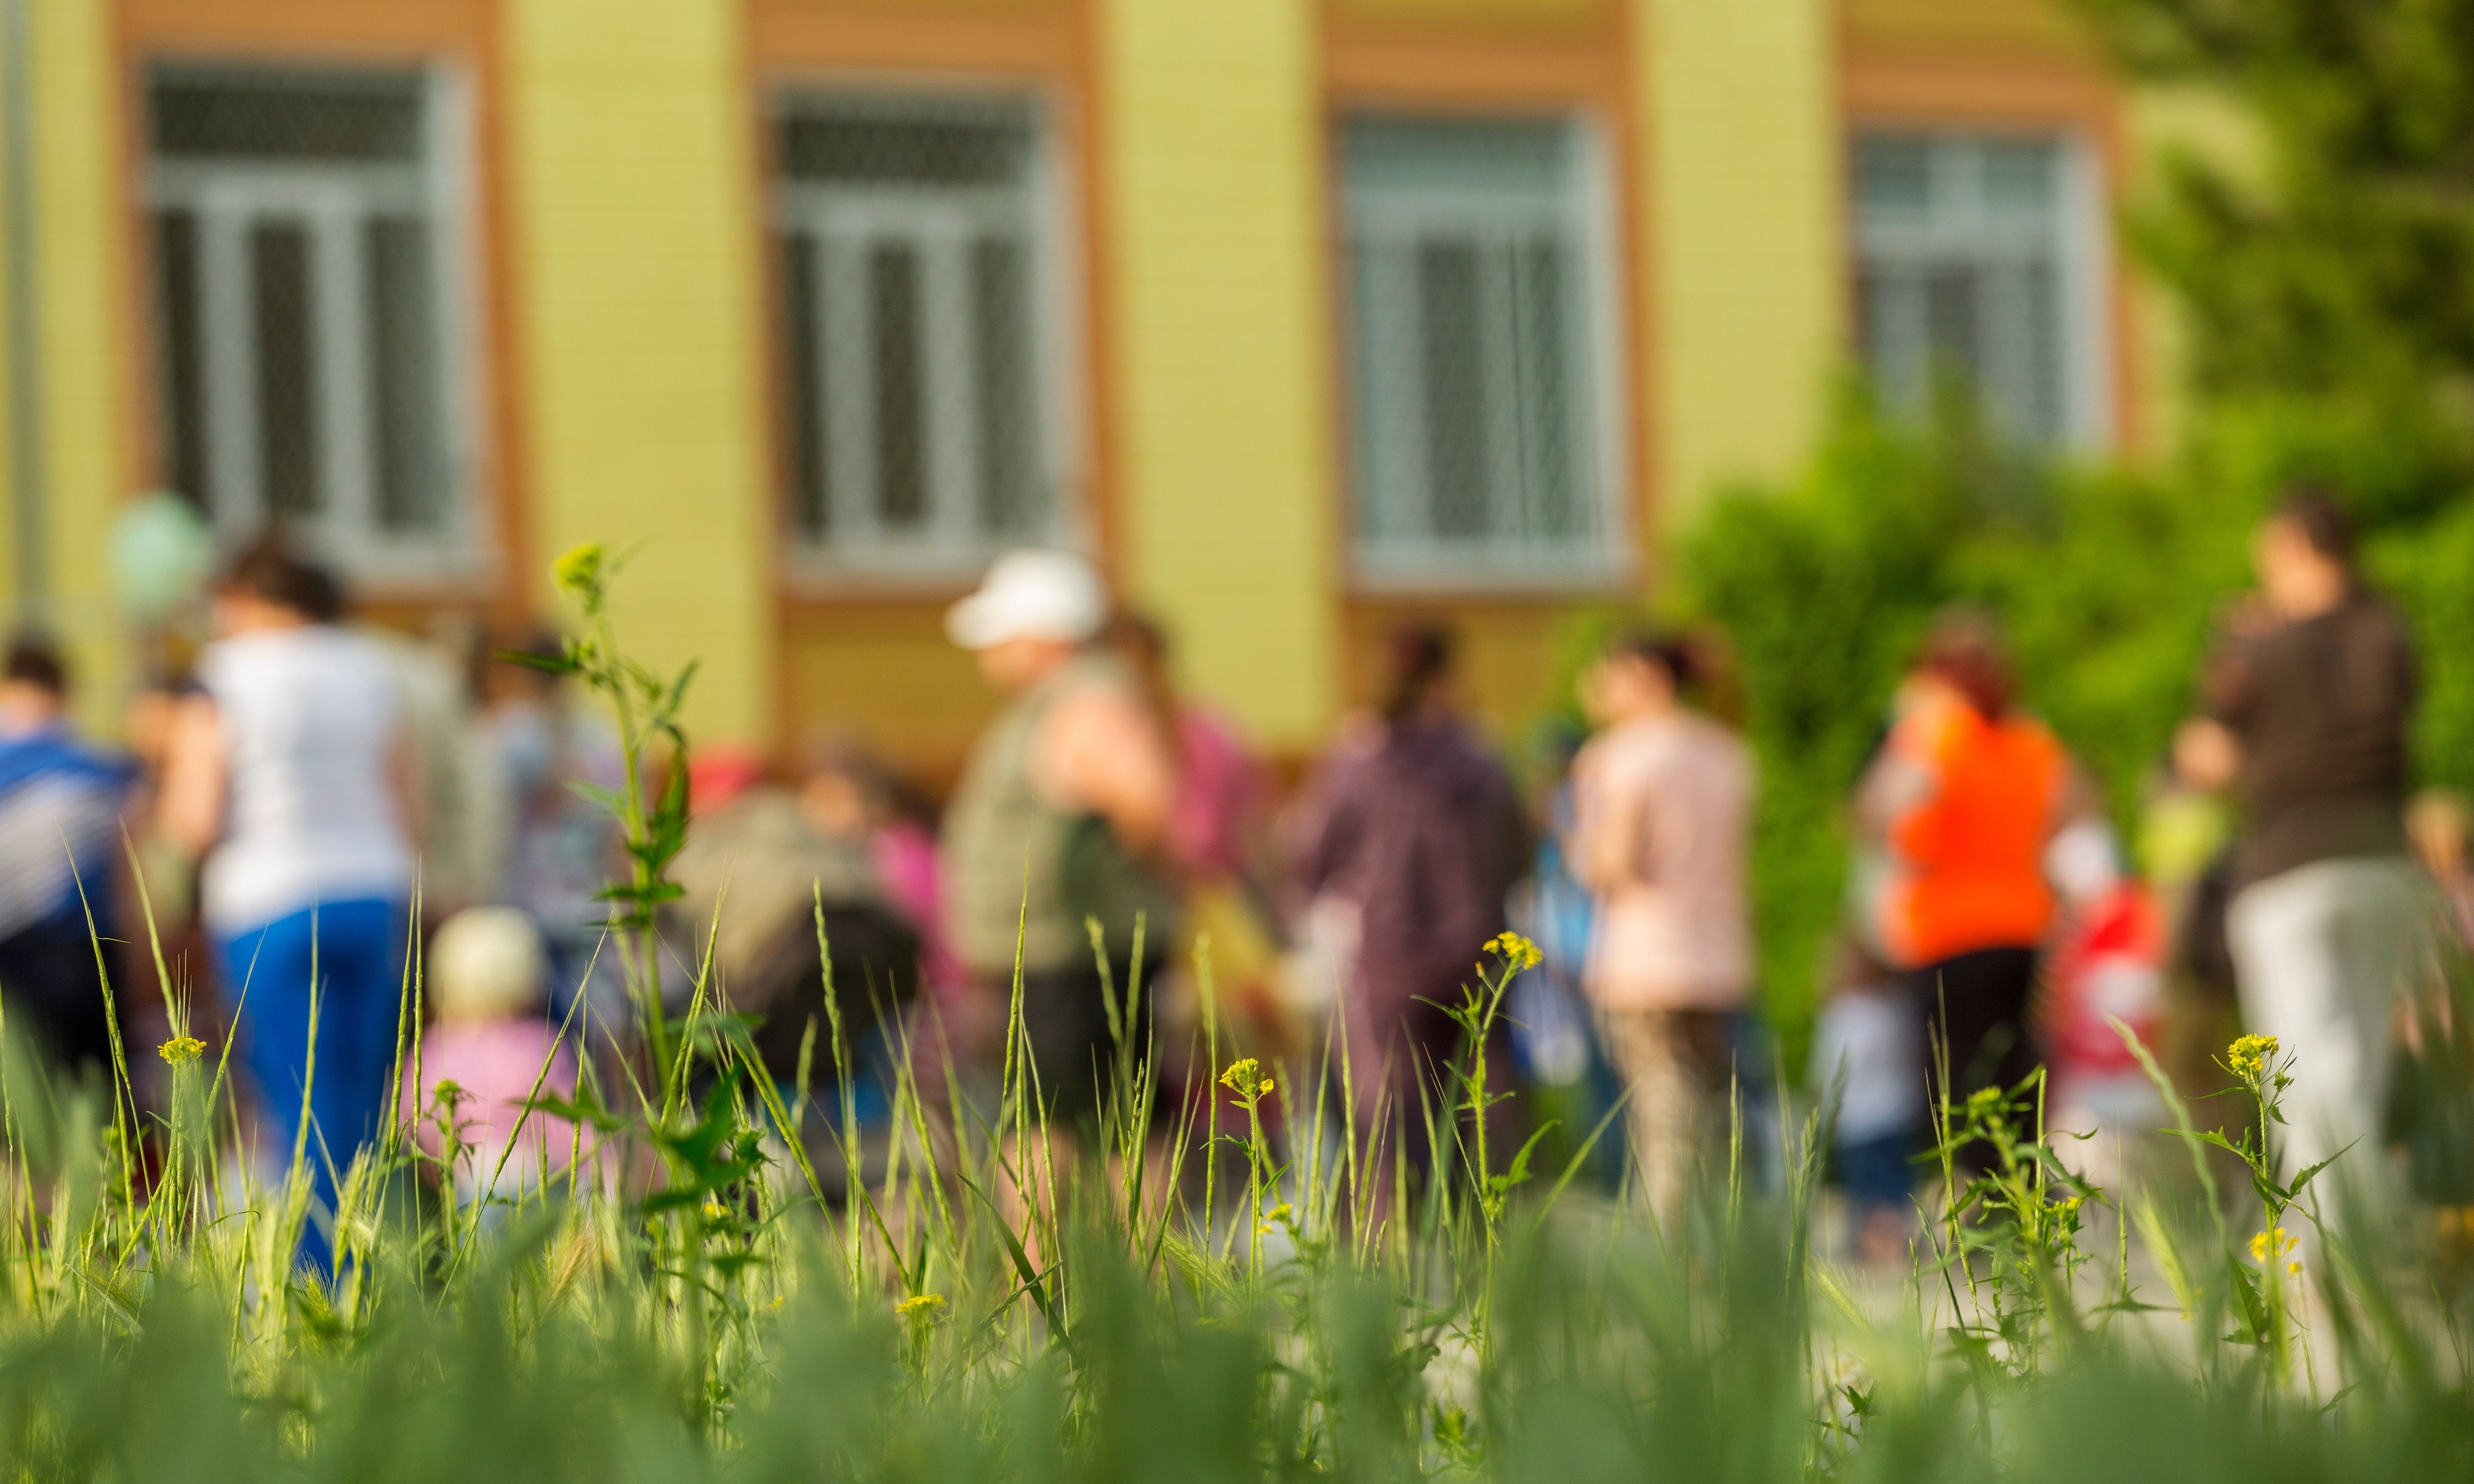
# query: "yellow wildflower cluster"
[[1244, 1077], [921, 1307], [579, 571], [1517, 952], [2272, 1244], [2248, 1057], [1273, 1219], [181, 1050]]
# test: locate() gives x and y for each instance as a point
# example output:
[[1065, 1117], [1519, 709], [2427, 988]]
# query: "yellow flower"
[[1243, 1077], [923, 1307], [580, 569], [1517, 952], [712, 1208], [2273, 1243], [2248, 1057], [181, 1049]]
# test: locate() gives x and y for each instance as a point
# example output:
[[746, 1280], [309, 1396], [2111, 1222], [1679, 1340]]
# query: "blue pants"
[[1877, 1172], [359, 949]]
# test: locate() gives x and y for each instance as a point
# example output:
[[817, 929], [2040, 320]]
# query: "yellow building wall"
[[1744, 249], [1218, 361], [640, 355], [84, 425]]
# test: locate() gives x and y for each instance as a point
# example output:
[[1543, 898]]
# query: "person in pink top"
[[485, 972], [1663, 813]]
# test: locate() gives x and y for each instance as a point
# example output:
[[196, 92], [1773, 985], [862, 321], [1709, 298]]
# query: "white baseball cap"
[[1031, 595]]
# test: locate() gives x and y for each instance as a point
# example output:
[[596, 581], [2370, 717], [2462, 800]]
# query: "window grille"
[[914, 265], [302, 289], [1974, 261], [1478, 349]]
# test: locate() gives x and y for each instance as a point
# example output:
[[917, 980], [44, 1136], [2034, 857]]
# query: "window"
[[1976, 259], [1479, 355], [912, 234], [302, 273]]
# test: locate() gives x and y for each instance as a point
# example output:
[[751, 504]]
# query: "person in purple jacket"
[[1414, 825]]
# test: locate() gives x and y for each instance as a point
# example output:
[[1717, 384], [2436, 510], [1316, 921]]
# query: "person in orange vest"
[[1957, 809]]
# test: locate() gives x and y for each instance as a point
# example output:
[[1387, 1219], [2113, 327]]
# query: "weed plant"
[[1164, 1297]]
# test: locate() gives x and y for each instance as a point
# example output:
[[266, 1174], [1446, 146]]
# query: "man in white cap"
[[1058, 819]]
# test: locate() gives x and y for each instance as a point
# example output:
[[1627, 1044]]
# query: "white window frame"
[[842, 220], [1583, 211], [330, 201], [2076, 242]]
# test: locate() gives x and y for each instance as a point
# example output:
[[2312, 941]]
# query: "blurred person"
[[561, 848], [1215, 818], [1958, 807], [1216, 848], [1062, 814], [848, 794], [2440, 824], [456, 783], [2105, 970], [1417, 832], [290, 774], [1548, 1004], [1868, 1056], [61, 806], [488, 1052], [1662, 815], [754, 870], [2310, 695]]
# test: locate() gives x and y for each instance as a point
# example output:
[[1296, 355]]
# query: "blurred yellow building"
[[1302, 315]]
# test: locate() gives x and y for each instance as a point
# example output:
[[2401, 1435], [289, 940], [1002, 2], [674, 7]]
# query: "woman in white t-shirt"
[[288, 776]]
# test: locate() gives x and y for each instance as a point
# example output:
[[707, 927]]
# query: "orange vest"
[[1968, 858]]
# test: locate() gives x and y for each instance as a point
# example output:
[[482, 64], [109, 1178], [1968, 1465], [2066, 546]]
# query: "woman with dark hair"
[[1415, 826], [1957, 808], [1662, 835], [288, 776]]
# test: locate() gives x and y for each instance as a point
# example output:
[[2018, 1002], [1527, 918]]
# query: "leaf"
[[1518, 1174], [679, 687], [1031, 1280], [548, 664], [2304, 1179]]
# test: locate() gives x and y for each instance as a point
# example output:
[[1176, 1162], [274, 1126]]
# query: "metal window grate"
[[1967, 267], [909, 234], [1471, 350], [301, 306]]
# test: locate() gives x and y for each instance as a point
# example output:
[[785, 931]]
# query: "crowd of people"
[[314, 800]]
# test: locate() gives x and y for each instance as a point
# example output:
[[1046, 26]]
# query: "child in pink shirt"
[[487, 1054]]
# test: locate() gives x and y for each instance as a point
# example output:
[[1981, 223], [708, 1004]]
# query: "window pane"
[[1551, 429], [855, 144], [2021, 176], [1894, 176], [1506, 156], [1455, 387], [286, 421], [802, 292], [288, 115], [901, 441], [1951, 320], [405, 382], [1008, 469], [183, 412]]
